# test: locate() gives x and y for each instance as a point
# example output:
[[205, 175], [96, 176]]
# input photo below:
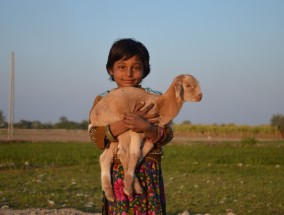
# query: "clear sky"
[[234, 48]]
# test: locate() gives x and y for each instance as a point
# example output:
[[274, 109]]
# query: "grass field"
[[244, 177]]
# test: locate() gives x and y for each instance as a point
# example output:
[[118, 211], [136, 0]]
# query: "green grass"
[[246, 177], [226, 177], [32, 174]]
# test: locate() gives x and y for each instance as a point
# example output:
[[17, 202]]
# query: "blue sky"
[[234, 48]]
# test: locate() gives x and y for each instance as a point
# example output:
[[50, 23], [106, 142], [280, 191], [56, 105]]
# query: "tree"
[[24, 124], [63, 119], [2, 120], [84, 124], [64, 123], [277, 121], [186, 122]]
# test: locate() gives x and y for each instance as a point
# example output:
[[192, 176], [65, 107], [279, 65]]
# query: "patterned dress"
[[152, 201], [148, 172]]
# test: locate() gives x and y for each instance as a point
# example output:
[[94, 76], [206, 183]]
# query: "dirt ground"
[[64, 135], [65, 211], [33, 135]]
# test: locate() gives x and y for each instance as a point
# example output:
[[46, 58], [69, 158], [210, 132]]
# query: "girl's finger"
[[154, 120], [139, 106], [148, 107], [149, 116]]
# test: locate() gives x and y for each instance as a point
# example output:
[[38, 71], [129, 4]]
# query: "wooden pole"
[[12, 93]]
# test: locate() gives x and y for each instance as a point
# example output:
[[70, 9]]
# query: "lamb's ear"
[[178, 88]]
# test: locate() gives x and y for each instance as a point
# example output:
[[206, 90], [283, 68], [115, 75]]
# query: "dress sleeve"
[[97, 133]]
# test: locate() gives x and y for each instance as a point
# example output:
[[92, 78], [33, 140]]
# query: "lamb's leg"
[[106, 159], [123, 148], [134, 156], [123, 154], [137, 187], [147, 147], [124, 159]]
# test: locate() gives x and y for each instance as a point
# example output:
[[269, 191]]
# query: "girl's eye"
[[138, 68], [121, 67]]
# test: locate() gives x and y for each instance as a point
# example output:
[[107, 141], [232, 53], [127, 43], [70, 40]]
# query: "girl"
[[128, 65]]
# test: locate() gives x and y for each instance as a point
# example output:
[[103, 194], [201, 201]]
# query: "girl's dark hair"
[[125, 49]]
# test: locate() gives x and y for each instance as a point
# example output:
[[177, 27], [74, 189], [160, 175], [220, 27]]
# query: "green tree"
[[84, 124], [24, 124], [187, 122], [2, 119], [64, 123], [277, 121]]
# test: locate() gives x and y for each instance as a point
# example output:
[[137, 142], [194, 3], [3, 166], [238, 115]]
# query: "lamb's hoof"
[[137, 187], [110, 197], [128, 191], [128, 185]]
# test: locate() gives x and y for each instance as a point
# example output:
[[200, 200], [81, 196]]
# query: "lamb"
[[116, 104]]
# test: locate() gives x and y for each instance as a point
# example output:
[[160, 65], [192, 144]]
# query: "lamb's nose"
[[200, 96]]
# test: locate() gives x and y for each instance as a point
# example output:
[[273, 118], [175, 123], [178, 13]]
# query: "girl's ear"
[[110, 71]]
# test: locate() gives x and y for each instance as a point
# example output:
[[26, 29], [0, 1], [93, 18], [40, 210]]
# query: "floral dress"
[[148, 172], [152, 201]]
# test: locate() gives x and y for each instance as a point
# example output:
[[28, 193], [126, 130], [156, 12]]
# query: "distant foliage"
[[32, 125], [63, 123], [277, 121], [2, 120], [187, 122]]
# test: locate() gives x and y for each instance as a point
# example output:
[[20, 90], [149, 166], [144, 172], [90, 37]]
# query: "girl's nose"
[[129, 71]]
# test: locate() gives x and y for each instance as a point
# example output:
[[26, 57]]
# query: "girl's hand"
[[137, 123], [142, 111]]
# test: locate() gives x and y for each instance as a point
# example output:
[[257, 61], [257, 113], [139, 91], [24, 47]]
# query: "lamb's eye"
[[188, 86]]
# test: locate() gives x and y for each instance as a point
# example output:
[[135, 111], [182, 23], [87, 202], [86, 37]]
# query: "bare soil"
[[64, 211], [48, 135], [65, 135]]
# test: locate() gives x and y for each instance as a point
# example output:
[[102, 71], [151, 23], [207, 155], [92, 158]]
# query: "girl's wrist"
[[159, 137], [118, 128], [152, 132]]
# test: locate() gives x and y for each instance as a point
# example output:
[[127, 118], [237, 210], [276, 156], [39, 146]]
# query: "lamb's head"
[[187, 88]]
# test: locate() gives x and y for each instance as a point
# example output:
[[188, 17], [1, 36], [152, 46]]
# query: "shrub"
[[278, 122]]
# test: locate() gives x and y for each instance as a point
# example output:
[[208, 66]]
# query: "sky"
[[234, 48]]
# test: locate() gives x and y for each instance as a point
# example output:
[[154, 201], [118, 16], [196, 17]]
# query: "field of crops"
[[244, 177], [228, 131]]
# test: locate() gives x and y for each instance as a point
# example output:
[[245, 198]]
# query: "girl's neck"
[[138, 86]]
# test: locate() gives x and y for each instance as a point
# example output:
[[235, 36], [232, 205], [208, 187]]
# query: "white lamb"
[[116, 104]]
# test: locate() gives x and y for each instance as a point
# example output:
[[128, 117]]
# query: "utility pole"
[[12, 93]]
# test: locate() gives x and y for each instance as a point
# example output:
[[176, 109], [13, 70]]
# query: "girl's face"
[[128, 73]]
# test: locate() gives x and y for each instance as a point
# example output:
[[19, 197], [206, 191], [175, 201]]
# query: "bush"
[[278, 122]]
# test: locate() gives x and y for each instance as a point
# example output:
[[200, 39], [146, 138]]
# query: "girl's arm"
[[120, 127], [157, 135], [102, 136], [98, 133], [168, 136]]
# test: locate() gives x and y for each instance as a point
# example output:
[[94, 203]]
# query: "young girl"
[[128, 65]]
